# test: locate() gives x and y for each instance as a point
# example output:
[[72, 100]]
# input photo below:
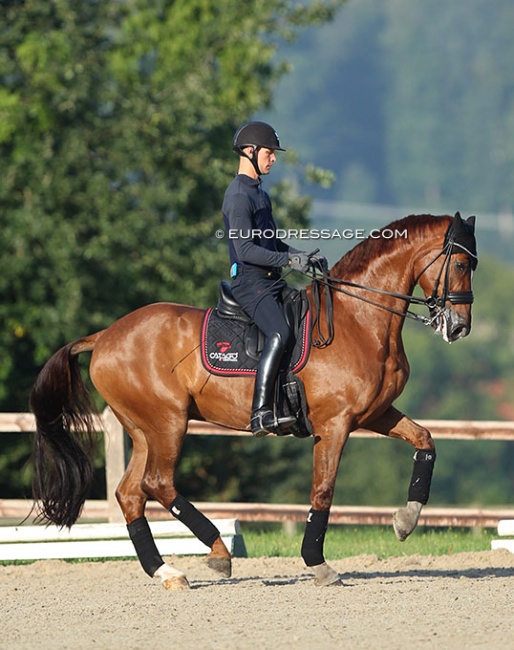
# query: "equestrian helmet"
[[256, 134]]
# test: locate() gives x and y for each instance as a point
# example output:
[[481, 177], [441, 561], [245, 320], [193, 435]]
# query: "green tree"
[[115, 128], [331, 104], [116, 120]]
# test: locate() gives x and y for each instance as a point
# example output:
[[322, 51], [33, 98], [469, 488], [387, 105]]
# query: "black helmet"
[[256, 134]]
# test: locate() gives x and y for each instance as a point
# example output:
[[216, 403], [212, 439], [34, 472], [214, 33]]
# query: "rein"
[[434, 303]]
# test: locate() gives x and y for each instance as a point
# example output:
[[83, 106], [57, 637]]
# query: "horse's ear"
[[457, 216], [471, 221]]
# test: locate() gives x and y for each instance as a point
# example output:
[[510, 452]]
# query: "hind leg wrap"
[[142, 538], [419, 488], [314, 537], [196, 521]]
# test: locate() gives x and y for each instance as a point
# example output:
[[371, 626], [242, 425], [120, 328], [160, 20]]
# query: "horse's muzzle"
[[451, 325]]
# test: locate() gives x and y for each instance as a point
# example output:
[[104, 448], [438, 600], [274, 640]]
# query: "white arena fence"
[[90, 540]]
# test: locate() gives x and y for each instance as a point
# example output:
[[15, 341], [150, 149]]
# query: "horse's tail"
[[63, 445]]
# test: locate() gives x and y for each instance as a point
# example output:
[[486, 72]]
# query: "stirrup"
[[263, 422]]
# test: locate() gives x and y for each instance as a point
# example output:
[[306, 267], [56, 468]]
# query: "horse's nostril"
[[459, 332]]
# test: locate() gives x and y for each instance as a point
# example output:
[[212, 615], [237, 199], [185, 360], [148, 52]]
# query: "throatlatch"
[[419, 488]]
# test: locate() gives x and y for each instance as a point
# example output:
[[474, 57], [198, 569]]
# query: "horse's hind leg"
[[397, 425], [158, 482], [132, 500]]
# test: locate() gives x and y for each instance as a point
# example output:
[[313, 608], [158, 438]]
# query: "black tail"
[[63, 445]]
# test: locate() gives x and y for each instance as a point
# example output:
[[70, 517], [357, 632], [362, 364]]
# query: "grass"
[[273, 540], [347, 541]]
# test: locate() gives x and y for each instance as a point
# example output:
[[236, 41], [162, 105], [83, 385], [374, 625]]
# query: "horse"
[[147, 367]]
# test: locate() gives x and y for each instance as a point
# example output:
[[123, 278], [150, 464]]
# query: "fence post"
[[114, 462]]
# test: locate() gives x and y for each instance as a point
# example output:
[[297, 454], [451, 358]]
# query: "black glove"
[[299, 262]]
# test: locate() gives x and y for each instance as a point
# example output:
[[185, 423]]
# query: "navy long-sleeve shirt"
[[247, 212]]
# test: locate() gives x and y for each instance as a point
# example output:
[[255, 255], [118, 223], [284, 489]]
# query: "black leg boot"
[[263, 419]]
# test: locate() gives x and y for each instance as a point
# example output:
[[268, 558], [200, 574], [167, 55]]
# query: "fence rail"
[[114, 440], [98, 510]]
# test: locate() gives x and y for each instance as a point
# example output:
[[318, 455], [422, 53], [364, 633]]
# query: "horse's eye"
[[461, 267]]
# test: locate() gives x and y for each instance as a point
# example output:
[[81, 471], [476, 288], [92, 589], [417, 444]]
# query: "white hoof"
[[171, 579], [405, 520], [325, 575], [174, 584]]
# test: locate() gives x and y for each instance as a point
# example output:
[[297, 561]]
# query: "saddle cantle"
[[228, 307], [231, 345]]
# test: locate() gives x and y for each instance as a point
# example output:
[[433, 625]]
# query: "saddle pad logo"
[[223, 353]]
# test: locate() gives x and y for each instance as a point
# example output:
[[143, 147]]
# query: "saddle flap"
[[254, 342]]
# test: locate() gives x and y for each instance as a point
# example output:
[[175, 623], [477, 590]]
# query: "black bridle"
[[456, 241]]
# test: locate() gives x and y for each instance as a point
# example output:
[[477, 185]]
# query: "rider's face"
[[265, 159]]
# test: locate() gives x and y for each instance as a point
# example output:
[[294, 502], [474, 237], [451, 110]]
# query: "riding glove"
[[299, 261]]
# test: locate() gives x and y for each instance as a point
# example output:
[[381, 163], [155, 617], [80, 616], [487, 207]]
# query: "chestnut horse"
[[147, 367]]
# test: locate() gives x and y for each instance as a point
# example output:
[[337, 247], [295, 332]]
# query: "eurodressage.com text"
[[316, 233]]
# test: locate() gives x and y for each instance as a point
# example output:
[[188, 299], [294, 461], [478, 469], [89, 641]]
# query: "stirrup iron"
[[264, 421]]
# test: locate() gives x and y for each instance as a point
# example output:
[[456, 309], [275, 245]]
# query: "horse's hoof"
[[400, 530], [336, 582], [176, 583], [325, 576], [222, 565], [405, 520]]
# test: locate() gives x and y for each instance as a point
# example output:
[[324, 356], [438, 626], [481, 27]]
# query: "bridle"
[[435, 303]]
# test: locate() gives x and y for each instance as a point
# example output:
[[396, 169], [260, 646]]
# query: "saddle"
[[295, 306], [231, 345]]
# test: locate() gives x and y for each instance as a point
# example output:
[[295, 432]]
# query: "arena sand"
[[448, 602]]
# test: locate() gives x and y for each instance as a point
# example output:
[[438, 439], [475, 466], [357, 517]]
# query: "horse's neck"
[[388, 264], [392, 272]]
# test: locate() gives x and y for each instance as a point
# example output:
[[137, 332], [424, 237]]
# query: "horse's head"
[[445, 276]]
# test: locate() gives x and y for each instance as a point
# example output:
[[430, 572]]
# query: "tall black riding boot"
[[263, 419]]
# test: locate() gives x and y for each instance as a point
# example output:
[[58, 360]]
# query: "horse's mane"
[[358, 258]]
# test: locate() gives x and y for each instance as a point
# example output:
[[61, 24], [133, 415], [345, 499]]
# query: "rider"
[[256, 258]]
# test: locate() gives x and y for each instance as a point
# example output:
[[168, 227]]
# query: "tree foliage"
[[116, 120]]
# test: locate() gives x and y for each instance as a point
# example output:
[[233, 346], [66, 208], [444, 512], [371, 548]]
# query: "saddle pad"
[[224, 351]]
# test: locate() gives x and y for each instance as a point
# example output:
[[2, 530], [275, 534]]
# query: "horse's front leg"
[[327, 454], [397, 425]]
